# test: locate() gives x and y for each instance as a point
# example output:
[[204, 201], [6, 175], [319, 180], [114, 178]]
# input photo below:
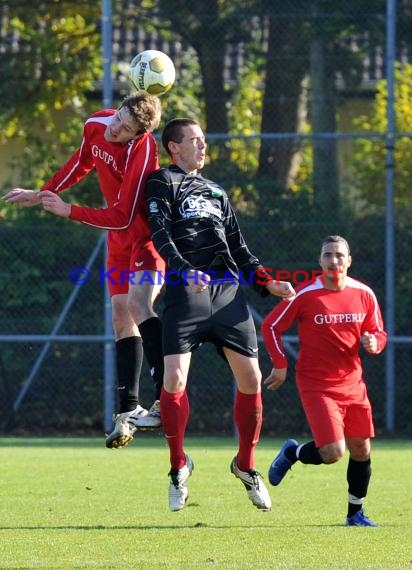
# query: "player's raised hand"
[[275, 379], [54, 204], [281, 289], [369, 342], [23, 197]]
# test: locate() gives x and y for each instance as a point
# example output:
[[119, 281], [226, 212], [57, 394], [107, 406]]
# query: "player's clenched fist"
[[281, 289], [369, 342]]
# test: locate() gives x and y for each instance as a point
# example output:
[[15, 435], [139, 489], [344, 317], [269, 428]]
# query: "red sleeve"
[[142, 161], [77, 167], [373, 322], [274, 324]]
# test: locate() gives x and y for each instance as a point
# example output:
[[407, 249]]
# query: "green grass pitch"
[[71, 503]]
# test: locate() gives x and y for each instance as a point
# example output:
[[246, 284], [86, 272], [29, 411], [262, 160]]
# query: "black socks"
[[129, 357], [151, 331]]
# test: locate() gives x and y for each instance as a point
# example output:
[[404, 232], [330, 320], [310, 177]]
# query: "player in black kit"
[[195, 230]]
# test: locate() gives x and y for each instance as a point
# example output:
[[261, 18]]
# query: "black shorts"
[[219, 315]]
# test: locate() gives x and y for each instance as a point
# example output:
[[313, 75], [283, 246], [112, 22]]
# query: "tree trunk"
[[284, 105], [323, 120], [211, 60]]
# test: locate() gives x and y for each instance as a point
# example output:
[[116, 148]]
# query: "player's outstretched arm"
[[23, 197]]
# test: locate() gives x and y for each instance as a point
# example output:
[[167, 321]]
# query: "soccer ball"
[[152, 72]]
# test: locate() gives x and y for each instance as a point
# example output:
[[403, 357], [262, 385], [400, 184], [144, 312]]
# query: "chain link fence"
[[311, 155]]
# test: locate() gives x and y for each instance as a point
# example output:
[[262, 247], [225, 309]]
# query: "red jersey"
[[330, 324], [122, 170]]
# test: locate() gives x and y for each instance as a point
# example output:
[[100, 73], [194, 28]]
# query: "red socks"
[[248, 419], [174, 411]]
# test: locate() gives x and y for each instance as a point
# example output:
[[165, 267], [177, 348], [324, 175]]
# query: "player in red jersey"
[[120, 146], [336, 315]]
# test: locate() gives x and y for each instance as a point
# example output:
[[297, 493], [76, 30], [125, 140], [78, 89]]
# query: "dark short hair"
[[335, 239], [173, 131], [146, 111]]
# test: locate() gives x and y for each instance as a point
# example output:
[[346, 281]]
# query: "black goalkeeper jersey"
[[194, 227]]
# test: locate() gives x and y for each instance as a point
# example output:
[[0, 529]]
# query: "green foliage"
[[185, 100], [245, 111], [370, 157], [37, 266], [56, 65]]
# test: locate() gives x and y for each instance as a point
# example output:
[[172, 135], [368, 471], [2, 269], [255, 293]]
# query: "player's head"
[[335, 258], [145, 110], [184, 141], [138, 114], [335, 239]]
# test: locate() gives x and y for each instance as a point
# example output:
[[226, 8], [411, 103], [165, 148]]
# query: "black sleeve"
[[159, 196], [244, 258]]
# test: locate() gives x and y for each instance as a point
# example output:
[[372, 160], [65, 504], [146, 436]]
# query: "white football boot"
[[151, 420], [255, 487], [178, 491], [123, 431]]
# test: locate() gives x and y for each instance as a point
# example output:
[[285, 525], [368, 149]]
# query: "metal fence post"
[[389, 219], [109, 368]]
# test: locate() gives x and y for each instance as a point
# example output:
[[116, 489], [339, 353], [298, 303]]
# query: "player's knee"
[[330, 459], [332, 453], [174, 382], [124, 326], [359, 448], [141, 308], [249, 383]]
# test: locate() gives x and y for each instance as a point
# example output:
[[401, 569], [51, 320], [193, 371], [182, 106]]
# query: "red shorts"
[[127, 257], [332, 416]]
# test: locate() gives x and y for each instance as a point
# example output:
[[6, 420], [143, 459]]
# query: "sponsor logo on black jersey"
[[153, 208], [199, 207]]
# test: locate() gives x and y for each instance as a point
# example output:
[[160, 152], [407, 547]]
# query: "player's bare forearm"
[[23, 197], [54, 204], [275, 379], [281, 289]]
